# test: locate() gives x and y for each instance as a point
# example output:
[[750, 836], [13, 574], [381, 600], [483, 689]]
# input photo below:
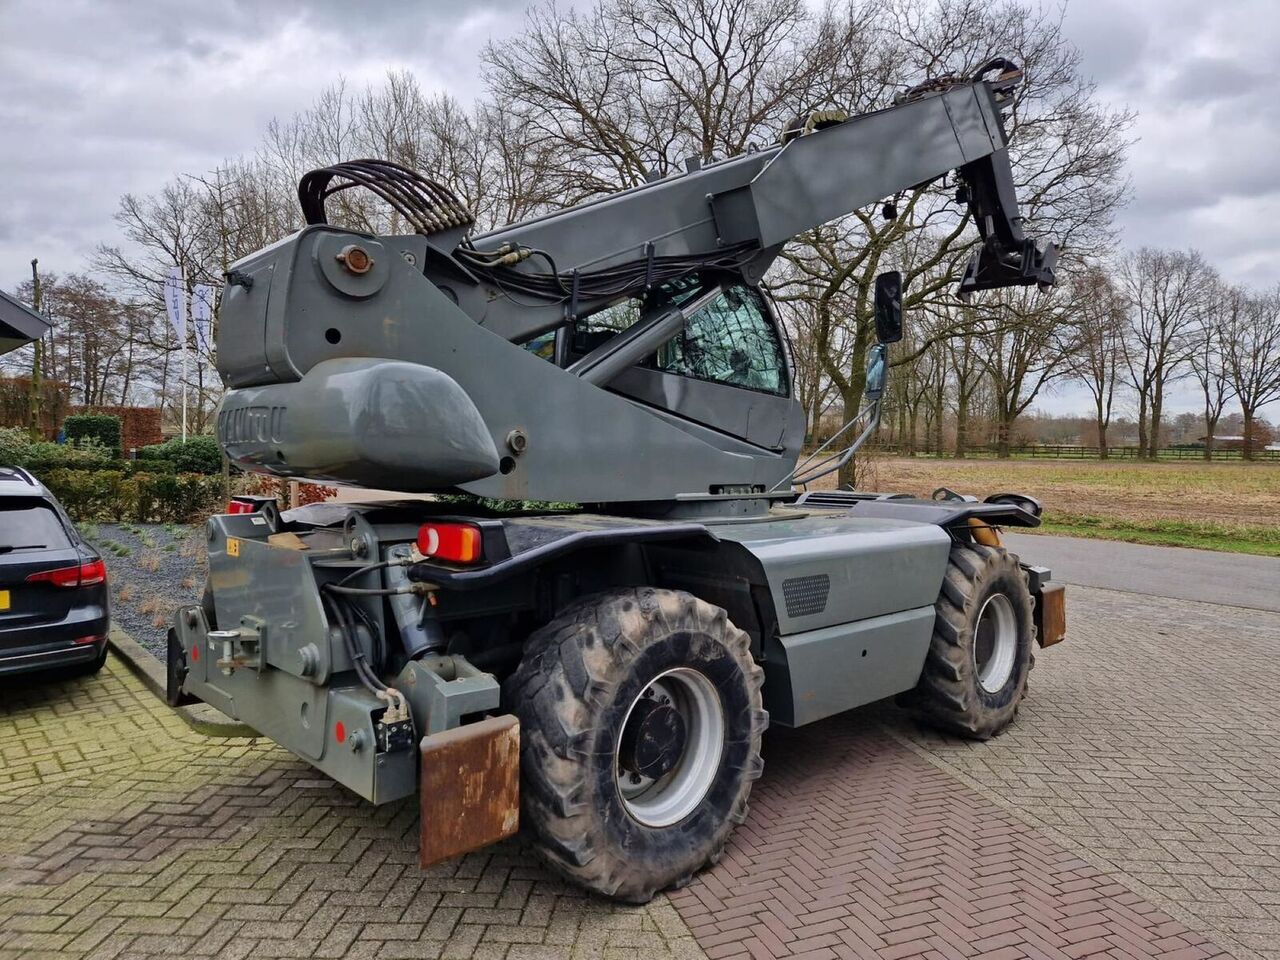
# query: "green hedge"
[[16, 450], [100, 427], [117, 495], [195, 455], [13, 446]]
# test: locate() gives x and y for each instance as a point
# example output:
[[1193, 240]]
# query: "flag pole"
[[183, 308]]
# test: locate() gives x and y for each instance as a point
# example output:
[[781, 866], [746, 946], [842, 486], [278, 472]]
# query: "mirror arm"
[[805, 474]]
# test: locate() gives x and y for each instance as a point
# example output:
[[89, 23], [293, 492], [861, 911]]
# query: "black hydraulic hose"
[[347, 630], [362, 591], [379, 565]]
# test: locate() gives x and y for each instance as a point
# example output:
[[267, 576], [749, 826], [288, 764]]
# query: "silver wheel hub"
[[995, 643], [668, 750]]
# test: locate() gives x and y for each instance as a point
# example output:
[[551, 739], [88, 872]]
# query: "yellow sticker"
[[4, 599], [233, 547]]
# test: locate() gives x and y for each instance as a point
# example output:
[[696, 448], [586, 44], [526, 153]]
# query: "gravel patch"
[[153, 569]]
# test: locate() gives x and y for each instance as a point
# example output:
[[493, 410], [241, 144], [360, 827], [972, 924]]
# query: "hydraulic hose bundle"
[[429, 207]]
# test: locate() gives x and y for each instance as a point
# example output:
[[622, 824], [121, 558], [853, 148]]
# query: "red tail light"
[[455, 542], [81, 575], [240, 506]]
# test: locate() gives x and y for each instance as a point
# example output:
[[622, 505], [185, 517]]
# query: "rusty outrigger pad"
[[1051, 614], [469, 787]]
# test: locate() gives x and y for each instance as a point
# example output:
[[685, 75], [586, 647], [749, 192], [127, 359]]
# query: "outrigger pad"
[[469, 788]]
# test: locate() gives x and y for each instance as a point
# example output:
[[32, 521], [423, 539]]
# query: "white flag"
[[202, 317], [175, 301]]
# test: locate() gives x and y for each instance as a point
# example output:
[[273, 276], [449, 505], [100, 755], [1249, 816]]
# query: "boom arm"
[[740, 212]]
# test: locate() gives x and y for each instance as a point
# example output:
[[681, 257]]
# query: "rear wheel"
[[641, 717], [975, 674]]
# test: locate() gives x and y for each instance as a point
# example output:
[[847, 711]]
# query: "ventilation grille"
[[806, 595]]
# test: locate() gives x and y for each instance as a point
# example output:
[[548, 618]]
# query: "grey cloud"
[[1207, 79]]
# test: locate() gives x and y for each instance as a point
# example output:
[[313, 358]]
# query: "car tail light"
[[456, 542], [81, 575], [240, 506]]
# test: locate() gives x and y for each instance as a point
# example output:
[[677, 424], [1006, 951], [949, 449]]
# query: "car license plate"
[[4, 600]]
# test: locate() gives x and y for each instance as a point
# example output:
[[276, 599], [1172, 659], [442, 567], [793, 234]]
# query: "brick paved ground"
[[124, 834], [857, 847], [1145, 761], [1151, 741]]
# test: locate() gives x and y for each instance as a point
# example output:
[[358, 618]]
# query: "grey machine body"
[[427, 374]]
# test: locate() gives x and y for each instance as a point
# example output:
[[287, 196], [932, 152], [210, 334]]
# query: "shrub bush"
[[102, 427], [118, 495], [13, 446], [196, 455], [16, 450]]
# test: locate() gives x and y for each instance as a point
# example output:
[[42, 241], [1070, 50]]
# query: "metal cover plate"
[[1051, 614], [469, 788]]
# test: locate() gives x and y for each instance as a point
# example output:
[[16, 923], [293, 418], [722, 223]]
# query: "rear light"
[[240, 506], [92, 638], [81, 575], [455, 542]]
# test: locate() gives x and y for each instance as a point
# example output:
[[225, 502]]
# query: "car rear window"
[[29, 523]]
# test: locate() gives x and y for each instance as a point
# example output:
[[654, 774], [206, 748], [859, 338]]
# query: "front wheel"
[[975, 674], [641, 716]]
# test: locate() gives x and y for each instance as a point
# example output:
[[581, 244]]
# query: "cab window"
[[730, 340]]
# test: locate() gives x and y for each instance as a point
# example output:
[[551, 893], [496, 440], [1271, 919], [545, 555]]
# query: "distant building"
[[1222, 442]]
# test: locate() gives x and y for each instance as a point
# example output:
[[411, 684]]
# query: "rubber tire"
[[948, 694], [571, 691]]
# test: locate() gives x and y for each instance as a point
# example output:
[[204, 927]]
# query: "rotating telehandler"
[[601, 667]]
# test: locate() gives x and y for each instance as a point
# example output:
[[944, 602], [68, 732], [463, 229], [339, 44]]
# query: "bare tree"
[[965, 361], [1030, 349], [1251, 338], [1209, 360], [1165, 293], [1099, 322]]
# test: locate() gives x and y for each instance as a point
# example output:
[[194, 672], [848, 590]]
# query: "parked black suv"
[[54, 608]]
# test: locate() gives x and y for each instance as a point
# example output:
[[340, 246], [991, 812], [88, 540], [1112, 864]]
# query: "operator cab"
[[728, 346]]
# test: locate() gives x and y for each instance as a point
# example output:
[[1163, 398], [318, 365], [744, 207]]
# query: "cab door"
[[725, 370]]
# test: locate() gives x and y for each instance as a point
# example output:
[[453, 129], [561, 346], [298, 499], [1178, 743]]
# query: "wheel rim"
[[685, 706], [995, 647]]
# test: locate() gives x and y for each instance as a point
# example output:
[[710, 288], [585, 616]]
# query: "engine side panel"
[[822, 672], [853, 597], [830, 568]]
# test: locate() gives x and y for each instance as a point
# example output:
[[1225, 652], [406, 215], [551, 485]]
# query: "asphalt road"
[[1235, 579]]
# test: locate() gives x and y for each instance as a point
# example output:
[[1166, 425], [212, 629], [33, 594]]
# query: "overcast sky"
[[102, 98]]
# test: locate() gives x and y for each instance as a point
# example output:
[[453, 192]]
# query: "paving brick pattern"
[[857, 847], [1112, 802], [124, 834], [1151, 741]]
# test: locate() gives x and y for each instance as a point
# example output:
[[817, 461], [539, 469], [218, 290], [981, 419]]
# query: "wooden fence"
[[1075, 452]]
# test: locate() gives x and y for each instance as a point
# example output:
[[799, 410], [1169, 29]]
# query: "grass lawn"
[[1232, 506]]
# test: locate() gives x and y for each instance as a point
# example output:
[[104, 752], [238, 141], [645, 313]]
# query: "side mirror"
[[877, 358], [889, 307]]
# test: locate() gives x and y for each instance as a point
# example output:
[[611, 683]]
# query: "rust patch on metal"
[[1051, 614], [469, 788]]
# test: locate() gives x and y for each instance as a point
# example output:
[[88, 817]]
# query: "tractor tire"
[[975, 674], [641, 715]]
